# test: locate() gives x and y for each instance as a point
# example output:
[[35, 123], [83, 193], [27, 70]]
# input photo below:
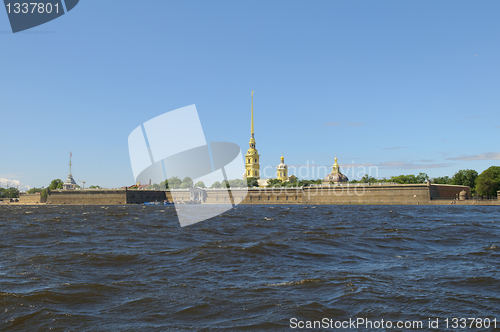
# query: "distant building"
[[70, 183], [335, 176], [138, 185], [282, 170], [263, 182]]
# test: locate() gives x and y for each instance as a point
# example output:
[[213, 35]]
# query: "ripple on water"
[[251, 269]]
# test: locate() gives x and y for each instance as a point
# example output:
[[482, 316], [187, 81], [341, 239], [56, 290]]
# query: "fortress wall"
[[369, 194], [274, 196], [141, 196], [255, 196], [109, 197], [182, 195], [447, 191], [29, 198], [217, 197], [87, 197]]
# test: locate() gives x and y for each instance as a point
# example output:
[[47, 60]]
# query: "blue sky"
[[405, 86]]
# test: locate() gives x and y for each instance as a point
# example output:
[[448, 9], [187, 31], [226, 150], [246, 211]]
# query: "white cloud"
[[4, 182], [482, 156], [410, 165]]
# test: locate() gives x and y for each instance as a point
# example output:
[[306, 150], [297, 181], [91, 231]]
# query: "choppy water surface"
[[253, 268]]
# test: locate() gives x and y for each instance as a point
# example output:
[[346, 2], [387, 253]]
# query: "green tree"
[[465, 177], [306, 183], [12, 192], [442, 180], [94, 187], [368, 179], [174, 182], [274, 183], [488, 182], [252, 182], [216, 185], [237, 183], [405, 179], [422, 177], [200, 184], [34, 190], [56, 184], [154, 186], [224, 184], [187, 183], [9, 192]]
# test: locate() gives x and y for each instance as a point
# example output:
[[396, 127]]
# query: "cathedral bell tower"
[[252, 167], [282, 170]]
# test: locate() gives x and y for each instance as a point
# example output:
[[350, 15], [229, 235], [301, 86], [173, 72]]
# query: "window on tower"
[[255, 160]]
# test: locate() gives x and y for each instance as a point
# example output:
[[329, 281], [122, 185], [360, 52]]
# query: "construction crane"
[[83, 183]]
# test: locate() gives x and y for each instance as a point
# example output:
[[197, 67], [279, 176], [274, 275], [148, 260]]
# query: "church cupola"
[[282, 170], [335, 176]]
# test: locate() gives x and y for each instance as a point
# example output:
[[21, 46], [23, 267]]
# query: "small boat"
[[159, 203]]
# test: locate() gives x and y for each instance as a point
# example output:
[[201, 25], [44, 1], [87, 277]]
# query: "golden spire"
[[252, 117], [282, 158], [336, 167]]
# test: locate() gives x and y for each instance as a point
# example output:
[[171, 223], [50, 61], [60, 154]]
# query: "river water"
[[254, 268]]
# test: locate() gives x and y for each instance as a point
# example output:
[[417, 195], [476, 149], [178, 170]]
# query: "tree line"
[[485, 184], [187, 182], [9, 192], [55, 184]]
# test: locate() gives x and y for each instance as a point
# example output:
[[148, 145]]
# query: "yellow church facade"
[[282, 170], [252, 165]]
